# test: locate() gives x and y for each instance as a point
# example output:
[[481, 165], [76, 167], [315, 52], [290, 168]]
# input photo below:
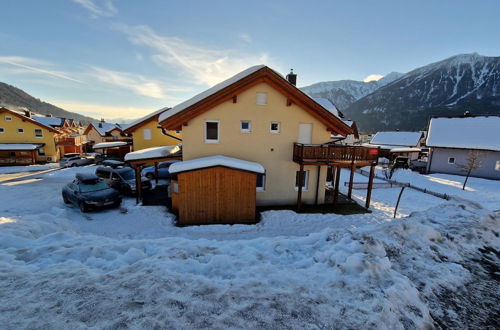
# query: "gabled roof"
[[49, 121], [141, 121], [17, 114], [397, 138], [327, 104], [105, 127], [183, 112], [465, 132]]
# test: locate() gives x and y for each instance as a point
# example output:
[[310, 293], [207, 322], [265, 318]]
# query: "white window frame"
[[497, 165], [41, 133], [451, 162], [247, 130], [2, 130], [8, 118], [20, 130], [205, 131], [305, 187], [271, 127], [261, 98], [147, 136], [263, 187]]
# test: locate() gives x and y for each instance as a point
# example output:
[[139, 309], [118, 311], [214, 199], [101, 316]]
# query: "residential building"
[[98, 132], [398, 143], [259, 116], [146, 133], [350, 139], [453, 140]]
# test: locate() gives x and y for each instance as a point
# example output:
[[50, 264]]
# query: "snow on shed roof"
[[197, 98], [154, 152], [218, 160], [474, 132], [20, 146], [406, 139], [109, 144], [327, 104]]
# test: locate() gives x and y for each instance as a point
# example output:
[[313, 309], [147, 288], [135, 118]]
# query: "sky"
[[122, 59]]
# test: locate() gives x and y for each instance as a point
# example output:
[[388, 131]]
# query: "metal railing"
[[333, 153]]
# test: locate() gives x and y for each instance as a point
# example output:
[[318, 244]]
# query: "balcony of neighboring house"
[[335, 157], [71, 143]]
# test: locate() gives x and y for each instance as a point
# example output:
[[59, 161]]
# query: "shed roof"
[[397, 138], [193, 164], [469, 132], [20, 146], [151, 153], [105, 145]]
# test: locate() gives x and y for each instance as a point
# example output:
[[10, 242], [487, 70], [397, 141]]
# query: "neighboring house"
[[23, 140], [451, 140], [146, 133], [398, 143], [98, 132], [68, 139], [350, 139], [259, 116]]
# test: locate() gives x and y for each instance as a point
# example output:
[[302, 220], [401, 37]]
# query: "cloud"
[[245, 37], [29, 65], [105, 9], [133, 82], [203, 65], [373, 77], [103, 111]]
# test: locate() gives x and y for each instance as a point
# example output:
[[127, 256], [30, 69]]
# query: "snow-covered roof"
[[197, 98], [403, 149], [218, 160], [475, 132], [49, 121], [109, 144], [140, 120], [104, 127], [327, 104], [154, 152], [20, 146], [406, 139]]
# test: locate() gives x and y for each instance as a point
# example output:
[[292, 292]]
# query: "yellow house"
[[259, 116], [146, 133], [98, 132], [24, 140]]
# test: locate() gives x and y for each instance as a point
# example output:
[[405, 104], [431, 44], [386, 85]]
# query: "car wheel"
[[65, 199], [117, 203], [73, 165], [83, 207]]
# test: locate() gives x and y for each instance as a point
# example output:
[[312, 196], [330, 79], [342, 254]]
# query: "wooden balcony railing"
[[324, 153], [71, 140]]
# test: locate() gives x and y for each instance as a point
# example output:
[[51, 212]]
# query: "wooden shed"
[[214, 190]]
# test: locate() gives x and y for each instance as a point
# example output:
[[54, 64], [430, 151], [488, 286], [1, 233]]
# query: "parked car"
[[99, 158], [400, 162], [163, 172], [419, 165], [88, 191], [73, 161], [122, 179]]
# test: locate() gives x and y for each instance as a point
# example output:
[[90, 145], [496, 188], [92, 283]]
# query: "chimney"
[[292, 78], [27, 113]]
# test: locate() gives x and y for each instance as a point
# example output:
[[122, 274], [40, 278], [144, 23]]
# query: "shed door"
[[305, 133]]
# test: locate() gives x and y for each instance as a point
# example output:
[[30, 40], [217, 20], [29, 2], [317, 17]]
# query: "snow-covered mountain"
[[467, 82], [345, 92]]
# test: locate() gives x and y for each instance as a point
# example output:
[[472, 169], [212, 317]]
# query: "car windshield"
[[128, 175], [89, 187]]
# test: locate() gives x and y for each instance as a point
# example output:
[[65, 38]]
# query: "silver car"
[[76, 161]]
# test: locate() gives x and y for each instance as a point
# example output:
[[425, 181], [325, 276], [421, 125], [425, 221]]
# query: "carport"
[[119, 148], [154, 155]]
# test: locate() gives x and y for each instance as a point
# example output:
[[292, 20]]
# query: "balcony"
[[71, 140], [324, 154]]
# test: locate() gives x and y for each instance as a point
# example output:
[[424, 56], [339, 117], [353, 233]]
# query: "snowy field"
[[433, 266]]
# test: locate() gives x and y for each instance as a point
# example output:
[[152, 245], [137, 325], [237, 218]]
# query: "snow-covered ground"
[[434, 266], [27, 168]]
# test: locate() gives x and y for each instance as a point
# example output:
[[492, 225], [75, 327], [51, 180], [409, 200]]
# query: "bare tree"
[[472, 162]]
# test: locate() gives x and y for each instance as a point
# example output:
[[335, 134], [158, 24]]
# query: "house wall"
[[11, 135], [439, 162], [93, 135], [273, 151], [158, 139]]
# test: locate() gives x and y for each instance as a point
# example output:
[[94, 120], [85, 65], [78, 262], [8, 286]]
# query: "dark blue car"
[[163, 172]]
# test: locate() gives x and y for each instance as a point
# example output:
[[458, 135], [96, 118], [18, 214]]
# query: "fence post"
[[397, 203], [370, 185]]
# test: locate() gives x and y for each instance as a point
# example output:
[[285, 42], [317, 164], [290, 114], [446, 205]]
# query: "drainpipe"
[[164, 132]]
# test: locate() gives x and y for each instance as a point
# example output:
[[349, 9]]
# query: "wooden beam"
[[235, 99], [317, 186], [336, 190], [370, 185], [138, 184], [156, 172], [299, 186], [351, 179], [289, 102]]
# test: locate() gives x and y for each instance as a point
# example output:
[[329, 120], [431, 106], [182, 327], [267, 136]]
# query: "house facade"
[[24, 140], [146, 133], [257, 116], [99, 132], [452, 141]]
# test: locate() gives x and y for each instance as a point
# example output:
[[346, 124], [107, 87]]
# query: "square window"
[[212, 131], [147, 134], [20, 130], [261, 182], [451, 160], [497, 165], [8, 118], [305, 180], [275, 127], [246, 126], [38, 133], [2, 130], [261, 98]]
